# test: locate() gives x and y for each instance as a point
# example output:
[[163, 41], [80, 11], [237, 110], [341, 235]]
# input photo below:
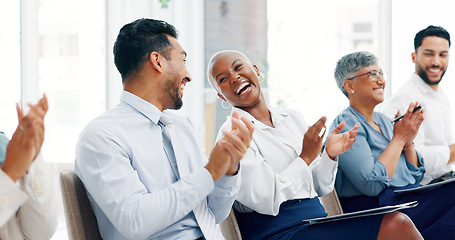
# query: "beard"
[[423, 75], [172, 88]]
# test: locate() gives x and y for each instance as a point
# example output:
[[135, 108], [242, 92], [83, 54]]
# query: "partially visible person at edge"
[[283, 172], [27, 191], [435, 140], [383, 158], [144, 167]]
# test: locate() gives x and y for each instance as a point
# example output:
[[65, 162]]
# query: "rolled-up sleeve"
[[417, 172]]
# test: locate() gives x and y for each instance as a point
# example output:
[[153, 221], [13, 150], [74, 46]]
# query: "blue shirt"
[[3, 144], [131, 183], [359, 172]]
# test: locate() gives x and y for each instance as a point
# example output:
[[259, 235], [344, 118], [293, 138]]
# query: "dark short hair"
[[135, 42], [430, 31]]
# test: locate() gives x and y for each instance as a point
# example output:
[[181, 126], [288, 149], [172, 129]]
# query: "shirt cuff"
[[379, 173], [203, 182], [238, 169], [228, 185], [327, 163]]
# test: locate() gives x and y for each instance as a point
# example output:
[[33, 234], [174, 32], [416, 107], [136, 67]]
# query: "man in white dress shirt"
[[435, 140], [27, 189], [144, 167]]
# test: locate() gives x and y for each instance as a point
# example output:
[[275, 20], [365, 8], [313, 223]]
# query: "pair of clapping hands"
[[336, 143], [407, 125], [26, 142], [226, 154], [228, 151], [405, 128]]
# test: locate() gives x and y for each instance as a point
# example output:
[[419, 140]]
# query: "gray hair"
[[349, 64], [210, 78]]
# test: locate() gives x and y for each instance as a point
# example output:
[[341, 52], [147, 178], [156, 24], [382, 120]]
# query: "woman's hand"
[[406, 129], [312, 141], [340, 143], [26, 141]]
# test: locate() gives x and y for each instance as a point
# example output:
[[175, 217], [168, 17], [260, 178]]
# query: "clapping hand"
[[338, 143], [26, 141], [227, 153], [407, 127], [312, 141]]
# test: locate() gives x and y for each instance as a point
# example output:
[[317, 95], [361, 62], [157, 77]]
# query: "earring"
[[225, 107], [261, 76], [352, 91]]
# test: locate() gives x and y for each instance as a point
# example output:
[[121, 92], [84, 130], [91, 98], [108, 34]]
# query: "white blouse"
[[272, 171], [28, 207]]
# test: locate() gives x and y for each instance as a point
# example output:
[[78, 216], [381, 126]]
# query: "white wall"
[[188, 17], [408, 18]]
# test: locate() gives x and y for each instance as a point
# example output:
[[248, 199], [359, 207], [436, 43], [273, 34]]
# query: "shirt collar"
[[356, 113], [421, 85], [363, 118], [277, 115], [147, 109]]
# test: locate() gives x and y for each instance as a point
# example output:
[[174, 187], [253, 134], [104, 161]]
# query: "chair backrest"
[[80, 219], [230, 228], [331, 203]]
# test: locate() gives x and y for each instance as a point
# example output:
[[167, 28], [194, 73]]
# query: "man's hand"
[[340, 143], [312, 141], [452, 154], [225, 156], [26, 141]]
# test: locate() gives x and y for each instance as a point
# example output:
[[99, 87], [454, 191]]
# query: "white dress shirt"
[[28, 206], [272, 171], [435, 133], [131, 183]]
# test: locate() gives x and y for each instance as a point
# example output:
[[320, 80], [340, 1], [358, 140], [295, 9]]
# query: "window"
[[306, 40], [71, 70], [10, 92], [296, 43], [67, 63]]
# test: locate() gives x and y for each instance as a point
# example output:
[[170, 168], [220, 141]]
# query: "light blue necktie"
[[167, 146], [204, 216]]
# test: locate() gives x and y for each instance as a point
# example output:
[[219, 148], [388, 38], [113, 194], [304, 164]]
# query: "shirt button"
[[3, 201], [38, 186]]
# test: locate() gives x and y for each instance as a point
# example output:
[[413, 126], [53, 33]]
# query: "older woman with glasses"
[[382, 161], [283, 172]]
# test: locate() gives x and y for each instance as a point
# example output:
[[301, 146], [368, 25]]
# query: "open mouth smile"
[[243, 88], [434, 71], [378, 89]]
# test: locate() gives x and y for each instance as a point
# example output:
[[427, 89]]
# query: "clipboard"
[[363, 213], [424, 187]]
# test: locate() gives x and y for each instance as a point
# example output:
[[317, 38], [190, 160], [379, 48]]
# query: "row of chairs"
[[81, 221]]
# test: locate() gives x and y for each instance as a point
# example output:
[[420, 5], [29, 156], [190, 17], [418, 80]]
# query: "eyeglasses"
[[374, 76]]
